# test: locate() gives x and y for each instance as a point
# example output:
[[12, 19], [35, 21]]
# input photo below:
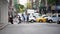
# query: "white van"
[[32, 18]]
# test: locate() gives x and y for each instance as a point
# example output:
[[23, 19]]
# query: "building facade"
[[3, 13]]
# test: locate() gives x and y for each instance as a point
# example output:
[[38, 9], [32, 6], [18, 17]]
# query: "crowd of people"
[[17, 18]]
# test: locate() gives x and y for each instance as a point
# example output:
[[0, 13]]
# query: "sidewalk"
[[2, 25]]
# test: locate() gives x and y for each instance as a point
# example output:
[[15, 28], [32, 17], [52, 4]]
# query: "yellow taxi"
[[41, 19]]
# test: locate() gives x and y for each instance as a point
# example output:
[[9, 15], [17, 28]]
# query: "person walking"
[[19, 20], [11, 19], [27, 17], [23, 17]]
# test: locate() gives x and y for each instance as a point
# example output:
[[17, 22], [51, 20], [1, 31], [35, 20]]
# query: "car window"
[[54, 16]]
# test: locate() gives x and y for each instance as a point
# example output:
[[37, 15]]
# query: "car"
[[50, 19], [47, 18], [54, 18], [41, 19]]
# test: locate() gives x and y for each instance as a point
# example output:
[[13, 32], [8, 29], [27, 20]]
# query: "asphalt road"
[[31, 28]]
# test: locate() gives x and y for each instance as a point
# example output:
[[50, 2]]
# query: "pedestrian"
[[27, 17], [11, 19], [23, 17], [19, 19]]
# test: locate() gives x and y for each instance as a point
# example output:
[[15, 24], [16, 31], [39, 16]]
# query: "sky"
[[23, 2]]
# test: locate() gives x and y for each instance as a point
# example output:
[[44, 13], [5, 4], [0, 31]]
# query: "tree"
[[29, 4], [51, 2], [19, 8]]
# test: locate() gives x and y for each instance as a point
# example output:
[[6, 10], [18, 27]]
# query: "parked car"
[[41, 19], [47, 18], [53, 18]]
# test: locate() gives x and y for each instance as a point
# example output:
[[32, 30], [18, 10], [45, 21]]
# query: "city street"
[[31, 28], [29, 16]]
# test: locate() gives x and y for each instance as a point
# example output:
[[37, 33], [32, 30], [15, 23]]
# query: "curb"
[[2, 26]]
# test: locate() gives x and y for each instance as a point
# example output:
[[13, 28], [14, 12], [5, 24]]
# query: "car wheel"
[[32, 21], [50, 21], [40, 20]]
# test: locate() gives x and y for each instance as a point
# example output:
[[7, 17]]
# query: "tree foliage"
[[51, 2], [19, 7], [29, 5]]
